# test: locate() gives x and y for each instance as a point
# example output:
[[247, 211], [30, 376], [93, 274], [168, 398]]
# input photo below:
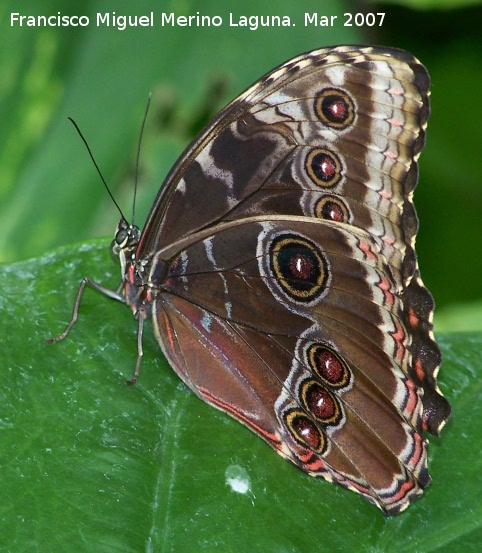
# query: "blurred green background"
[[87, 465], [50, 194]]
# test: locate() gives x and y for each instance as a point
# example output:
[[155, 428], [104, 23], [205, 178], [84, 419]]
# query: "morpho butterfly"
[[278, 266]]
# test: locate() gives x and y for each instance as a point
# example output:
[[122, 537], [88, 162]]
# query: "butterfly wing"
[[325, 148], [365, 108], [292, 327]]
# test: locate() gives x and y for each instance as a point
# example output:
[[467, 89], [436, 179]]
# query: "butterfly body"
[[279, 269]]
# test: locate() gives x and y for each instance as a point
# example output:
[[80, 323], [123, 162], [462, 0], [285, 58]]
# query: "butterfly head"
[[124, 245]]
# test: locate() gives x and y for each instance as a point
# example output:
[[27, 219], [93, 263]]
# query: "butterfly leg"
[[85, 281], [140, 351]]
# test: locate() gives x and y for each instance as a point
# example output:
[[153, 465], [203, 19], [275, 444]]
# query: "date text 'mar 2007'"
[[358, 19]]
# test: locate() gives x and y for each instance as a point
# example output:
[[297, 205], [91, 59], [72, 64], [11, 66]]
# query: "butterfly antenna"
[[138, 156], [96, 166]]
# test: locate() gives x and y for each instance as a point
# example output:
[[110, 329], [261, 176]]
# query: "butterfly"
[[278, 267]]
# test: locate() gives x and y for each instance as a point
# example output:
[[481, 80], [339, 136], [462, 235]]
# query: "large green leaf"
[[87, 464]]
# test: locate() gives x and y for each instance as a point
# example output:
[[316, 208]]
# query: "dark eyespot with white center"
[[334, 108]]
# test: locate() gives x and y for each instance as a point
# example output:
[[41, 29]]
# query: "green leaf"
[[87, 464]]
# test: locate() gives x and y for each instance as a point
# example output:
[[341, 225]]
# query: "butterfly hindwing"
[[240, 321]]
